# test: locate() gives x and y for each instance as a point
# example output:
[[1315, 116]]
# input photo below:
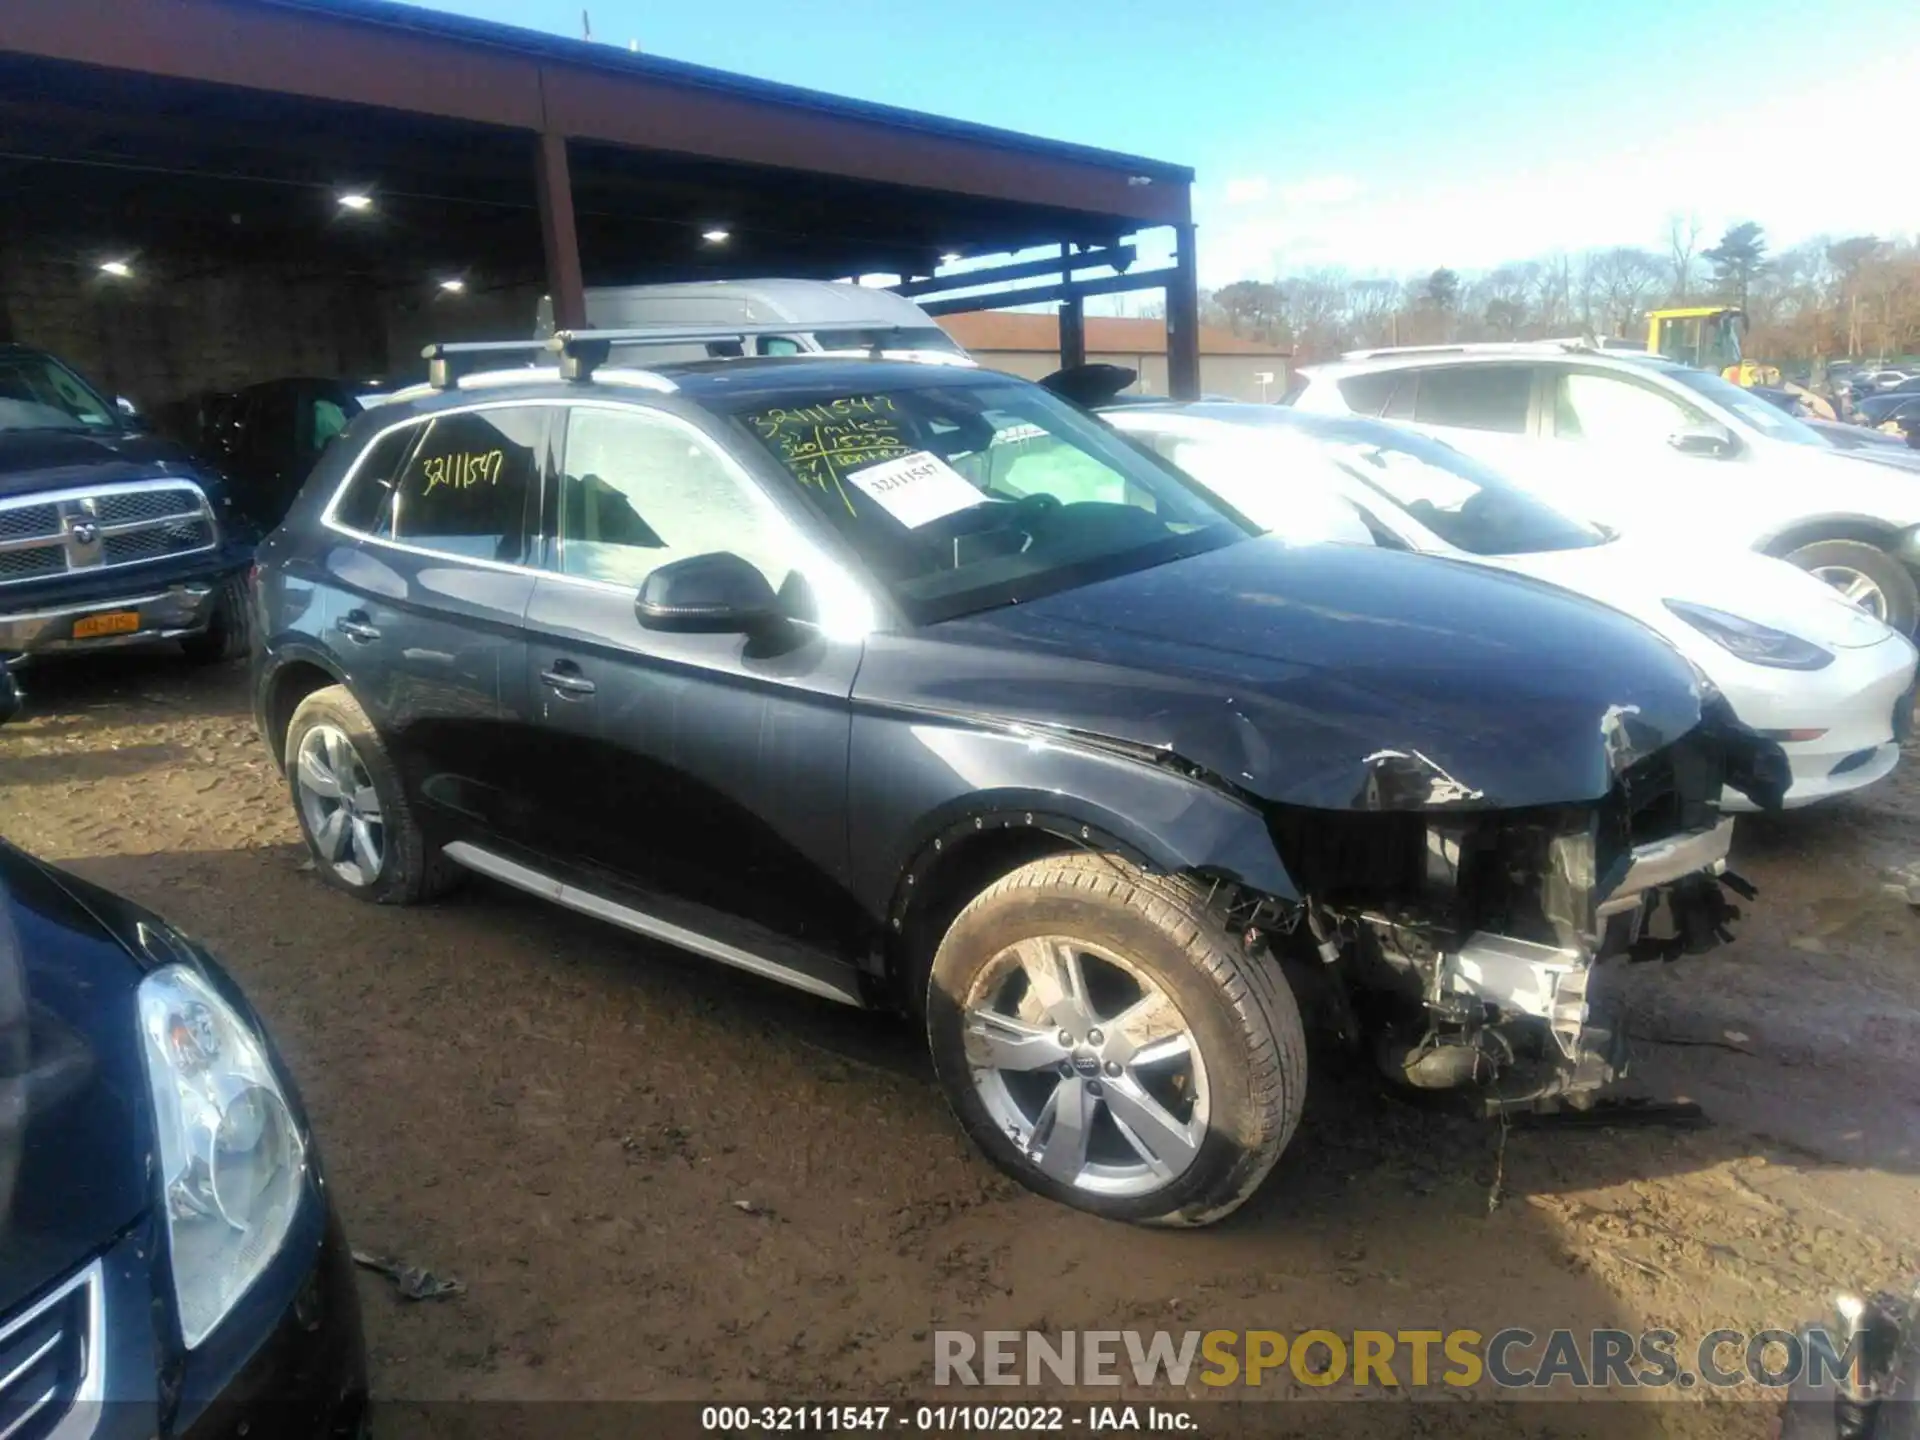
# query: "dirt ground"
[[661, 1179]]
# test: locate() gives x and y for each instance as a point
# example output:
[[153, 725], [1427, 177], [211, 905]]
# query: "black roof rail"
[[582, 352]]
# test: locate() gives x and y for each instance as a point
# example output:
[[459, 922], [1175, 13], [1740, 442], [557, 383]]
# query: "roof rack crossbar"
[[589, 348], [581, 352], [446, 363]]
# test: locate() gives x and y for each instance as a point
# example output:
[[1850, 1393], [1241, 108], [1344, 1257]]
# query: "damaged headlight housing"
[[232, 1159], [1755, 643]]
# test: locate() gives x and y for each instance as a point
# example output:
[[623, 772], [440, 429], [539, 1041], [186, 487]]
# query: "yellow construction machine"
[[1707, 337]]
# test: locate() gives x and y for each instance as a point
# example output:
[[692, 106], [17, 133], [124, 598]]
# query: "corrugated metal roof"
[[984, 331], [611, 57]]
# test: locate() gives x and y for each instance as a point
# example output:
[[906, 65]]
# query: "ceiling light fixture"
[[454, 286], [355, 200], [716, 236], [952, 257], [119, 269]]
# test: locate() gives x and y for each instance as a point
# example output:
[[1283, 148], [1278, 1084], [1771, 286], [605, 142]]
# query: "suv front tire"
[[1108, 1044]]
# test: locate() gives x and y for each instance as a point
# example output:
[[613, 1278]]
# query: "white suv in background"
[[1648, 447]]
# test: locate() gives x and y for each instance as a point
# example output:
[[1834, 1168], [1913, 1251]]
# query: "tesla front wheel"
[[1110, 1046]]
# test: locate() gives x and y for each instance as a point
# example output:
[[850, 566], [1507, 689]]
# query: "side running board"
[[774, 959]]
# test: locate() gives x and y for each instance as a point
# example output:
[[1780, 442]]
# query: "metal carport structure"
[[220, 132]]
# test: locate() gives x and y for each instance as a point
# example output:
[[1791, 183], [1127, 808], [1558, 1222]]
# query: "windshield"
[[964, 497], [1458, 499], [1769, 420], [37, 392]]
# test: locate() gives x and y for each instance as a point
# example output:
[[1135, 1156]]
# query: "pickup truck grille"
[[85, 530], [47, 1359], [26, 521]]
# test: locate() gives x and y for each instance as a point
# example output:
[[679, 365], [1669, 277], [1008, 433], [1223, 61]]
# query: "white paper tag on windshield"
[[917, 489]]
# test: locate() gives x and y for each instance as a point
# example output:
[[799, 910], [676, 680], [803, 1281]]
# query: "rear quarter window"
[[1369, 394], [368, 501]]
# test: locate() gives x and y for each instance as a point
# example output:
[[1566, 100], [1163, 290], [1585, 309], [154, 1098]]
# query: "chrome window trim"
[[82, 1413]]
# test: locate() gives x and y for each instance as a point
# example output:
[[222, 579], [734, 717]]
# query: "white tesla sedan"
[[1832, 684]]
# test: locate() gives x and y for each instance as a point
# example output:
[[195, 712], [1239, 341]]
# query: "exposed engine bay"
[[1461, 942]]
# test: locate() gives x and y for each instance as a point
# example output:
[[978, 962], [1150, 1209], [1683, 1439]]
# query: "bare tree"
[[1622, 279], [1683, 251], [1849, 258], [1553, 293], [1371, 306]]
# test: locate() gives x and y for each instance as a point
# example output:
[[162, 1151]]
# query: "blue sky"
[[1384, 136]]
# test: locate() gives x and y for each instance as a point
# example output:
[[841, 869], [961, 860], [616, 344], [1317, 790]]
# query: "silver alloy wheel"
[[339, 805], [1855, 587], [1087, 1066]]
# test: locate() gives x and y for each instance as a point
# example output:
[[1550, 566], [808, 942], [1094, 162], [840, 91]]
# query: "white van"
[[827, 318]]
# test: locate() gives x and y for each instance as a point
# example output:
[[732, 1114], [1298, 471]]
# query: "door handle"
[[354, 626], [566, 680]]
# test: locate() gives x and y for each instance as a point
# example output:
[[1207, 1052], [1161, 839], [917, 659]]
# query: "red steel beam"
[[565, 285]]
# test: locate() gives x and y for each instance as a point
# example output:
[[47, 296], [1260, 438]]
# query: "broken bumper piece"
[[1491, 996]]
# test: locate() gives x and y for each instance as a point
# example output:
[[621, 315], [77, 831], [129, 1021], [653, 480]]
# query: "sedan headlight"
[[1756, 644], [232, 1160]]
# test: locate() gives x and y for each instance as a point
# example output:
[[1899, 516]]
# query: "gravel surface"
[[661, 1179]]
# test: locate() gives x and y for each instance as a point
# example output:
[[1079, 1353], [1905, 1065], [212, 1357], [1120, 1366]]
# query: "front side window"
[[963, 496], [37, 392], [1769, 420], [638, 491], [1603, 409], [463, 484], [1475, 397]]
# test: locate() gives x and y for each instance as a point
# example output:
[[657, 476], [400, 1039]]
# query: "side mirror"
[[129, 411], [1704, 438], [717, 594]]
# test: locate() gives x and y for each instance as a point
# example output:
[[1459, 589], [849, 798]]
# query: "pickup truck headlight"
[[1756, 644], [232, 1160]]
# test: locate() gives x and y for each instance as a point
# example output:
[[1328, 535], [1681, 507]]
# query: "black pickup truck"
[[109, 534]]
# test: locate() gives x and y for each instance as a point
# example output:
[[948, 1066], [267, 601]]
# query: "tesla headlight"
[[232, 1160], [1756, 644]]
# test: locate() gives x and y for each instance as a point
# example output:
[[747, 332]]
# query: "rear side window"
[[462, 484], [468, 485], [1476, 397]]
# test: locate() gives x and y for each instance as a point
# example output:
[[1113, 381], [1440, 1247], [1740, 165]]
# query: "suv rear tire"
[[352, 806], [1108, 1044], [1833, 560]]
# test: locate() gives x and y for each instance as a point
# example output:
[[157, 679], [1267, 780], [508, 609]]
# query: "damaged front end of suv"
[[1460, 940], [1438, 795]]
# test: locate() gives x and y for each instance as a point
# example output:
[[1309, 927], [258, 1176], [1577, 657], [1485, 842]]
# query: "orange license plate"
[[114, 622]]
